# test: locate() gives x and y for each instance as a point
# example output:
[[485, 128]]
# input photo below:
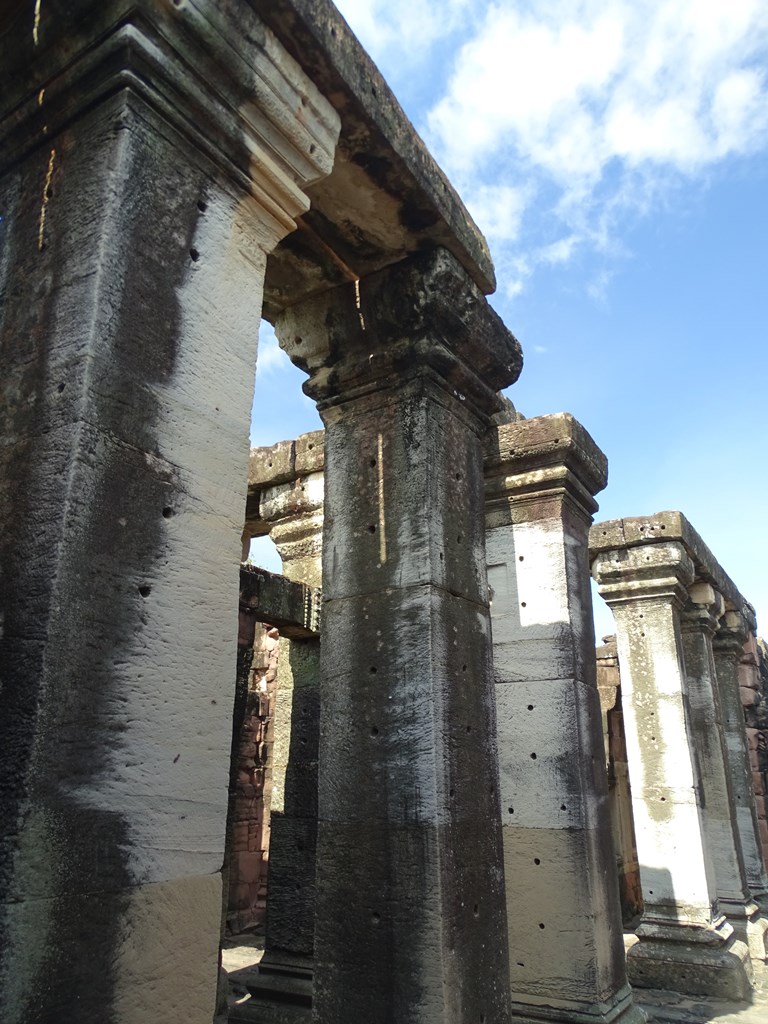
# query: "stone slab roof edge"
[[378, 137], [660, 527]]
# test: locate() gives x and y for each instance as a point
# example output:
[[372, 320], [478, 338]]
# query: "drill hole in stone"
[[530, 707], [536, 861], [194, 255], [563, 807], [523, 604], [374, 731], [541, 925], [458, 476], [451, 792], [202, 205], [533, 757], [463, 668], [469, 728], [167, 512], [521, 558], [458, 538], [372, 463], [520, 963], [298, 340], [476, 910], [145, 590], [376, 918], [511, 810], [373, 670], [371, 528], [61, 387]]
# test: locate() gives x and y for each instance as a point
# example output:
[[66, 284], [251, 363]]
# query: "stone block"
[[758, 783], [749, 697]]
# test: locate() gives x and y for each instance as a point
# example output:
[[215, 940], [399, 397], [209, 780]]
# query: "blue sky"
[[616, 156]]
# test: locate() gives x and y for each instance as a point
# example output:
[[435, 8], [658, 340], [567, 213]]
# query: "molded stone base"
[[748, 925], [281, 993], [724, 972], [621, 1011]]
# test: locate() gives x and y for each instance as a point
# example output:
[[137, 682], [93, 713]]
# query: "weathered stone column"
[[699, 623], [410, 925], [728, 645], [685, 944], [141, 185], [559, 861], [282, 990]]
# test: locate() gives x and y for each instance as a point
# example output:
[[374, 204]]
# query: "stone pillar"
[[282, 989], [728, 645], [685, 942], [141, 188], [753, 699], [699, 623], [559, 860], [405, 366]]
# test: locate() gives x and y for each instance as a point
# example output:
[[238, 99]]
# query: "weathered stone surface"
[[409, 921], [540, 478], [293, 509], [646, 587], [699, 623], [292, 607], [385, 199], [139, 202], [728, 644]]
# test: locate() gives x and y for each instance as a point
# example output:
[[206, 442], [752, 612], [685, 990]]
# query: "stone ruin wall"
[[249, 820]]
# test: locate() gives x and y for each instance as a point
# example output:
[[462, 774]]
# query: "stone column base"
[[722, 971], [281, 993], [621, 1010]]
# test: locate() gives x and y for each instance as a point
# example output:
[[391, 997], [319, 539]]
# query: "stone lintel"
[[215, 73], [659, 528], [386, 198], [423, 317], [536, 459], [294, 608]]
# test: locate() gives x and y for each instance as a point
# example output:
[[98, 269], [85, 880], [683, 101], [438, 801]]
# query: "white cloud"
[[408, 27], [271, 358], [599, 105]]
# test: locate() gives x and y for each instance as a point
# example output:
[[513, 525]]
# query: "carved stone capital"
[[703, 609], [653, 571], [732, 633], [539, 461], [421, 318]]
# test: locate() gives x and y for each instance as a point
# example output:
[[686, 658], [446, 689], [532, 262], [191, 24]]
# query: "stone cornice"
[[659, 572], [535, 459], [421, 317], [213, 71], [379, 152], [660, 528]]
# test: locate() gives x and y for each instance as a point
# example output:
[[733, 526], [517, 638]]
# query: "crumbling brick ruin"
[[444, 844]]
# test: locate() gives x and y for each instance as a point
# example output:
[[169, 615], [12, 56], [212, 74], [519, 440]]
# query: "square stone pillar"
[[410, 925], [728, 645], [699, 623], [685, 944], [567, 958], [142, 185], [282, 989]]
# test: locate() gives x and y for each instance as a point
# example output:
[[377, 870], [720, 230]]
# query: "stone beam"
[[151, 155], [293, 608], [410, 921], [386, 198], [670, 526]]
